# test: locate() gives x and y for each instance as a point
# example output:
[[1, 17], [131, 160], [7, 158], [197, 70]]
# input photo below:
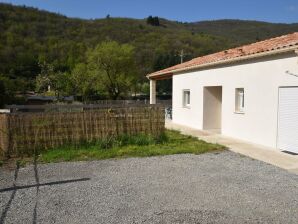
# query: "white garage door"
[[288, 119]]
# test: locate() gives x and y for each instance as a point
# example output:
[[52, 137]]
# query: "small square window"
[[186, 98], [239, 100]]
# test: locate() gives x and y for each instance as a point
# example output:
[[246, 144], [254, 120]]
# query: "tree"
[[165, 60], [153, 21], [50, 80], [44, 80], [114, 66], [2, 93], [156, 21], [7, 90], [60, 83], [81, 81]]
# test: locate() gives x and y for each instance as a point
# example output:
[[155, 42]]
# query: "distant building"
[[40, 100]]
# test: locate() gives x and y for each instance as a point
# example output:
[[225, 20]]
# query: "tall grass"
[[140, 145], [119, 141]]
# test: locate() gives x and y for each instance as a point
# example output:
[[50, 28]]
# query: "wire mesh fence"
[[22, 133]]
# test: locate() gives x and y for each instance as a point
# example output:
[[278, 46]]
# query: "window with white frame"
[[186, 98], [239, 100]]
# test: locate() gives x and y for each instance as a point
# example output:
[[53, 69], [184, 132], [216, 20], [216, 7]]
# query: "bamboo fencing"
[[22, 133]]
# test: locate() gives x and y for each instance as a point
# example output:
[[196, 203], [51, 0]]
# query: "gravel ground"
[[209, 188]]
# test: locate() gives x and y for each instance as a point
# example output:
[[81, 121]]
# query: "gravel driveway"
[[209, 188]]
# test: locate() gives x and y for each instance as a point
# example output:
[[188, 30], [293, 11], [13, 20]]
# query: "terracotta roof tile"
[[255, 48]]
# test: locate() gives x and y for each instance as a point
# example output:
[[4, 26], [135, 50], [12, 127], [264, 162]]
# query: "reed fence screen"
[[22, 133]]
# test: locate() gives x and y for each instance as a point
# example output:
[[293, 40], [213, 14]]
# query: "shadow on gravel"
[[44, 184], [37, 184], [14, 189]]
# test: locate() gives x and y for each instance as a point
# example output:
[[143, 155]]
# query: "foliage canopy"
[[114, 67], [29, 37]]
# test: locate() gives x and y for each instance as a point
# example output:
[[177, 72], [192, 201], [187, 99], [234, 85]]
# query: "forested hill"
[[242, 32], [29, 36]]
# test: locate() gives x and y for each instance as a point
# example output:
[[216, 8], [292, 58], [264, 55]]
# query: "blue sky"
[[182, 10]]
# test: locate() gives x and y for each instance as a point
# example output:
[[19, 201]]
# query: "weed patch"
[[171, 142]]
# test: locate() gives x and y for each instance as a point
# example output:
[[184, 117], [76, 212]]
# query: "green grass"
[[171, 142]]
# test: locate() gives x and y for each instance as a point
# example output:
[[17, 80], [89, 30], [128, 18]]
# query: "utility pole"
[[182, 55]]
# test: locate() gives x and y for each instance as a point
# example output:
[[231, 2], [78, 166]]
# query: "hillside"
[[28, 35], [242, 32]]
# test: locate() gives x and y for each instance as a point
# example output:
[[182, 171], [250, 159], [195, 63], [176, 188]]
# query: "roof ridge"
[[258, 42], [272, 38]]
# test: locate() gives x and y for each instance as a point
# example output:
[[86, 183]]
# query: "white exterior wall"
[[260, 79]]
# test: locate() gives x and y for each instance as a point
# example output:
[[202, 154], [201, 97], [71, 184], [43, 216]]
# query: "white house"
[[248, 93]]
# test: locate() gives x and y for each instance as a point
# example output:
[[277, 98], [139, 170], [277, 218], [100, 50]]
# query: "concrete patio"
[[265, 154]]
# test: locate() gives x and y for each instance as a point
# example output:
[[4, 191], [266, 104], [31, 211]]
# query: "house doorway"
[[212, 108]]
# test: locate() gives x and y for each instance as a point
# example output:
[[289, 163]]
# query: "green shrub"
[[163, 138], [106, 143], [141, 139], [123, 140]]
